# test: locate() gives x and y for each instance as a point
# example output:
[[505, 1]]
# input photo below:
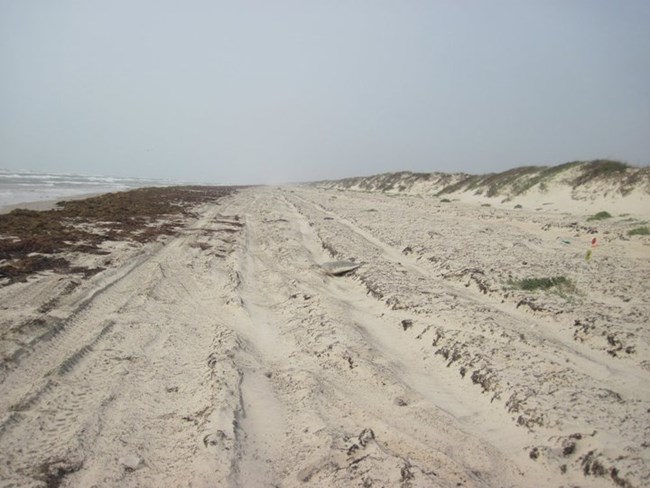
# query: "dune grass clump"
[[600, 168], [468, 182], [639, 231], [533, 284], [445, 200], [497, 183], [600, 216]]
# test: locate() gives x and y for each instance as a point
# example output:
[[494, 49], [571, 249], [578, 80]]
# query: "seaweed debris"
[[31, 240]]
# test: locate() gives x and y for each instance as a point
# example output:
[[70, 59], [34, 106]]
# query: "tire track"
[[321, 358], [520, 361], [544, 331], [46, 346], [227, 358], [92, 371]]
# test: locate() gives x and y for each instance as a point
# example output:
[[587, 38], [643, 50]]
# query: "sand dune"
[[223, 356], [579, 187]]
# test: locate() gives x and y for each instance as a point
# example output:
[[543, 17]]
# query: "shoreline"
[[49, 204]]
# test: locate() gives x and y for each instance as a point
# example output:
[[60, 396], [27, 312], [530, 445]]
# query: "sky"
[[274, 91]]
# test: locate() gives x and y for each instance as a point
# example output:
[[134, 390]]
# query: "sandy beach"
[[224, 355], [325, 244]]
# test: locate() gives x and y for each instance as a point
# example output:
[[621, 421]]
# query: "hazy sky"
[[270, 91]]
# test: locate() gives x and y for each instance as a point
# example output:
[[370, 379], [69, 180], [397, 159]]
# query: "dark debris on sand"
[[32, 241]]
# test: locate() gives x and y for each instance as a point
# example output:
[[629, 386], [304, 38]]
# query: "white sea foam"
[[27, 186]]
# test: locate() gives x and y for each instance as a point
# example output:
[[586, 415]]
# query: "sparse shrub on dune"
[[600, 216], [639, 231]]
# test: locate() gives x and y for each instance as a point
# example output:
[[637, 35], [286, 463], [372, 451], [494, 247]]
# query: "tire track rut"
[[225, 357], [321, 357], [521, 360]]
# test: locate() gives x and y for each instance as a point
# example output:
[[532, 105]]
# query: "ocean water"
[[23, 186]]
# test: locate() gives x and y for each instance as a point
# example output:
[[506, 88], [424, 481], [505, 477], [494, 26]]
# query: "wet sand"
[[44, 204]]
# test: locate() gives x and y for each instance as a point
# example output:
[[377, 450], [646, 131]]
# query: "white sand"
[[223, 357]]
